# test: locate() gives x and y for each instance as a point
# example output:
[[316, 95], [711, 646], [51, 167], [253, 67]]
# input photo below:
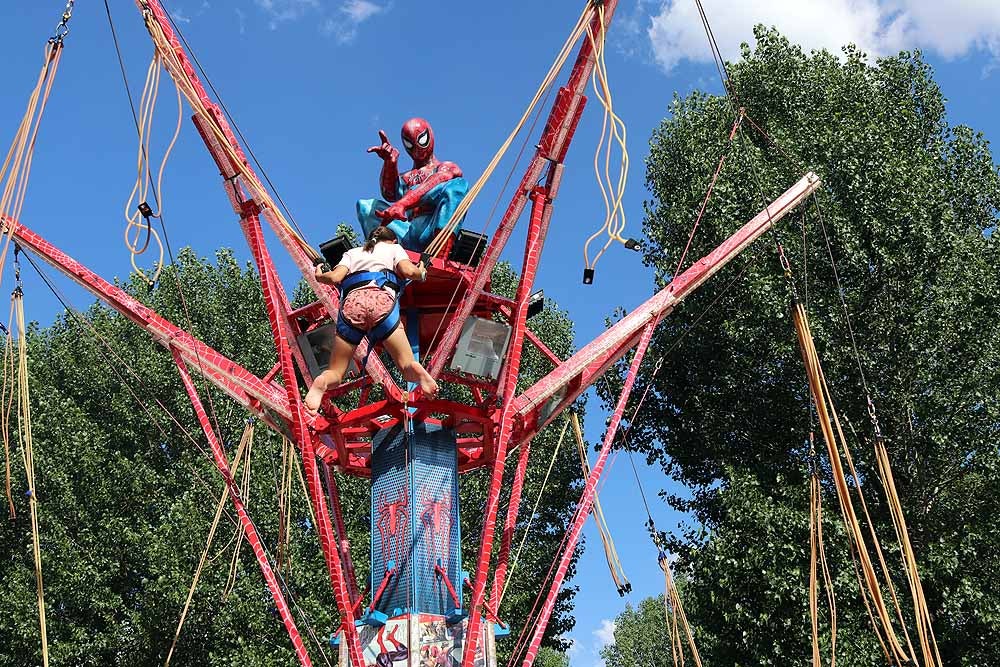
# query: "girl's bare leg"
[[340, 357], [399, 349]]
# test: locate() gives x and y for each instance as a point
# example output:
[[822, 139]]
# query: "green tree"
[[910, 207], [549, 657], [640, 636], [127, 493]]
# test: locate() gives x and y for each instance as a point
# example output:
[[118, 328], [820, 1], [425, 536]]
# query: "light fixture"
[[536, 303]]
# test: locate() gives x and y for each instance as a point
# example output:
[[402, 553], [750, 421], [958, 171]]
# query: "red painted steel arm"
[[338, 523], [306, 442], [505, 423], [238, 195], [222, 463], [241, 384], [513, 510], [533, 338], [566, 383], [551, 151], [587, 497]]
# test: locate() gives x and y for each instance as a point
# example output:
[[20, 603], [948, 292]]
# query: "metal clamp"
[[62, 28]]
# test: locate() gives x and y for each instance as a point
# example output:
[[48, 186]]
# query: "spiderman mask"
[[418, 139]]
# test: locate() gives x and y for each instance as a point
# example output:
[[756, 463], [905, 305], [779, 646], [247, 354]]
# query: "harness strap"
[[384, 327]]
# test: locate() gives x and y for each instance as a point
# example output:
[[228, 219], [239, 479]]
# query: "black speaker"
[[334, 249], [468, 248]]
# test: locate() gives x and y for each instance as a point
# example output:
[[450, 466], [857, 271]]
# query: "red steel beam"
[[305, 440], [245, 387], [222, 463], [540, 207], [551, 151], [587, 497], [513, 510], [566, 383], [238, 195]]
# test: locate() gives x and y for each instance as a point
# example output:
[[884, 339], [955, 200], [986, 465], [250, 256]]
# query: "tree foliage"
[[127, 493], [910, 208]]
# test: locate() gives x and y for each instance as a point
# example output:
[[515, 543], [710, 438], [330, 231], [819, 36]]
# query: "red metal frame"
[[222, 463], [487, 431], [587, 498]]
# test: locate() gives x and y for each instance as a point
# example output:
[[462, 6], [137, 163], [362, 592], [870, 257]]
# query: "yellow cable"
[[613, 131], [610, 551], [531, 517], [28, 455], [14, 175], [240, 533], [676, 618], [7, 392], [925, 629], [220, 507], [305, 489], [871, 529], [17, 165], [817, 562], [827, 418], [250, 180], [135, 222], [439, 241]]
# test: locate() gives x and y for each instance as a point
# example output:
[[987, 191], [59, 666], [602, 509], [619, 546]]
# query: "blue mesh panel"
[[391, 504], [426, 508], [434, 478]]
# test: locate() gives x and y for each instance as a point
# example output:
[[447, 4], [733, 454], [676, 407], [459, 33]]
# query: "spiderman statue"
[[420, 202]]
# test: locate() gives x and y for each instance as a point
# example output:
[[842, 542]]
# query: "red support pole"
[[338, 523], [381, 589], [587, 497], [571, 378], [513, 509], [222, 463], [532, 255], [304, 438], [443, 576], [551, 151]]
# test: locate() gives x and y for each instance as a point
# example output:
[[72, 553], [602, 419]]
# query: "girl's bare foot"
[[315, 396], [427, 383]]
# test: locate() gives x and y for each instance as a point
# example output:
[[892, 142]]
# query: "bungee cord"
[[146, 210], [676, 618], [14, 176], [613, 132], [220, 507], [610, 551], [531, 517], [7, 395], [16, 370], [138, 212], [442, 237], [257, 190]]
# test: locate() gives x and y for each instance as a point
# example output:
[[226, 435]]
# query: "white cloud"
[[879, 27], [351, 14], [281, 11], [605, 634], [360, 10]]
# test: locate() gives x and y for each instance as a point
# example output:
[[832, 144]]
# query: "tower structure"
[[422, 606]]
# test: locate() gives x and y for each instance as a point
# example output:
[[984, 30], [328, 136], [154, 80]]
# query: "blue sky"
[[311, 81]]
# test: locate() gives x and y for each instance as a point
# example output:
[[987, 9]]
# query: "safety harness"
[[387, 324]]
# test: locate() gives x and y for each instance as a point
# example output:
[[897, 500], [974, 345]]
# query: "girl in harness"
[[370, 279]]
